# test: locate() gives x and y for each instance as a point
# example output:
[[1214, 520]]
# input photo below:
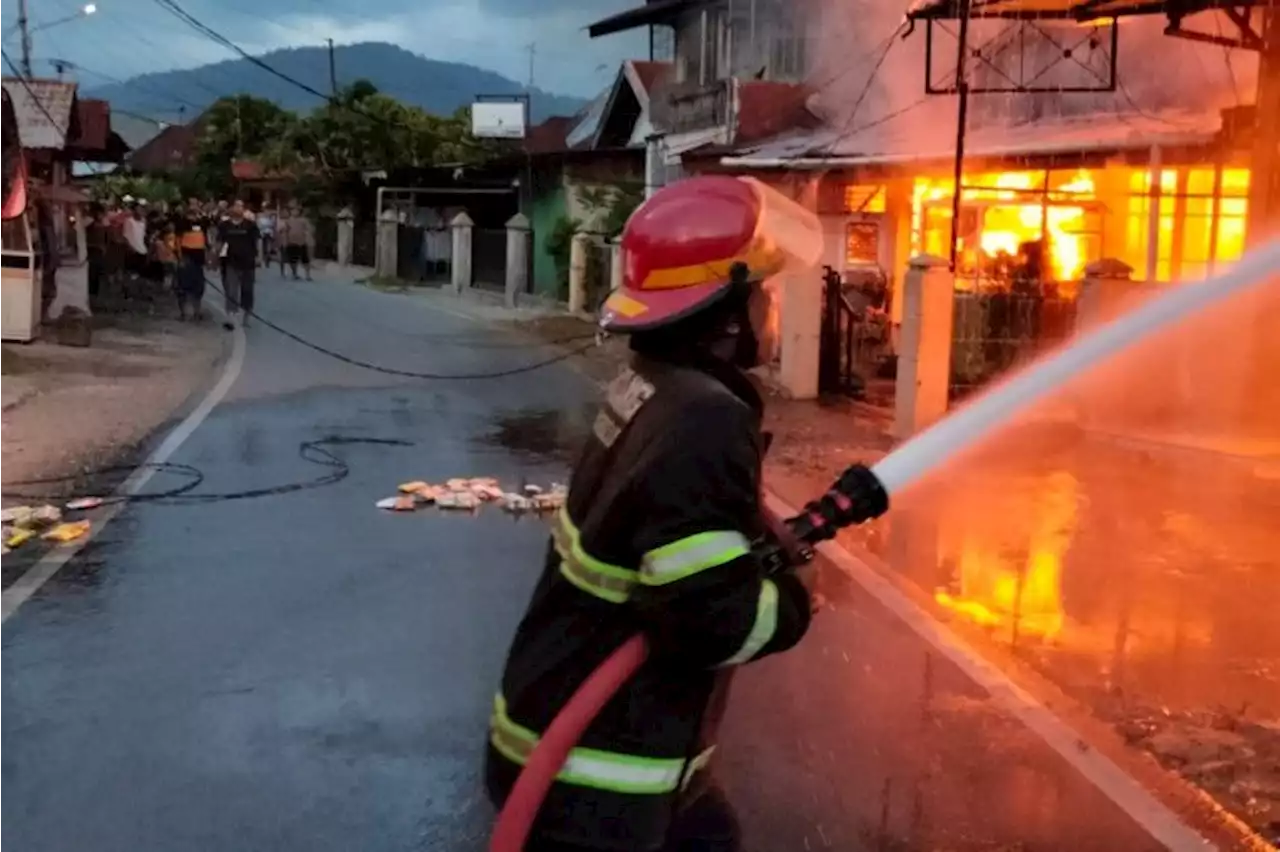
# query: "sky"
[[129, 37]]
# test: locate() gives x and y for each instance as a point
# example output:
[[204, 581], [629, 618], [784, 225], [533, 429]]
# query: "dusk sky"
[[128, 37]]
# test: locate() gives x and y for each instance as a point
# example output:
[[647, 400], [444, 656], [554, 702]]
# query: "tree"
[[237, 127]]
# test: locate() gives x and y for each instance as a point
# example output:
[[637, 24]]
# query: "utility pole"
[[533, 50], [1264, 182], [26, 38], [962, 120], [333, 72]]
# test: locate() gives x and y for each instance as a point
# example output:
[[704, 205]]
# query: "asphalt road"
[[305, 672]]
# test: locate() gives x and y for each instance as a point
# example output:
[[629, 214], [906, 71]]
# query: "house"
[[170, 150], [1155, 173]]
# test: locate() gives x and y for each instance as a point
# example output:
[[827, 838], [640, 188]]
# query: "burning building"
[[1083, 139]]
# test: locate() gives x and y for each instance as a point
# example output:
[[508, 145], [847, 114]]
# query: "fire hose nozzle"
[[857, 496]]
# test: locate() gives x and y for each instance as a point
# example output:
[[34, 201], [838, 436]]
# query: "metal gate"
[[854, 341], [489, 259], [994, 331]]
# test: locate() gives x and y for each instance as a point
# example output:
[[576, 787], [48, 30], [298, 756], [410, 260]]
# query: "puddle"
[[544, 433]]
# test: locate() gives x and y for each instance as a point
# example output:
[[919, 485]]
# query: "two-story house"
[[739, 72]]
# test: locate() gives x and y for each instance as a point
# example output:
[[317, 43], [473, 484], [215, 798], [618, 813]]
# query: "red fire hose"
[[564, 732], [857, 496], [523, 803]]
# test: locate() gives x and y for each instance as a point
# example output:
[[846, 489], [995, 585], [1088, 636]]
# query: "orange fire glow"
[[996, 592], [1014, 209]]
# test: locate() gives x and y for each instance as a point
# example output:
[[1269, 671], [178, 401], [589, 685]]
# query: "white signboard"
[[43, 111], [497, 119]]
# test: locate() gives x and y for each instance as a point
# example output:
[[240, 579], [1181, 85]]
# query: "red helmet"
[[679, 246]]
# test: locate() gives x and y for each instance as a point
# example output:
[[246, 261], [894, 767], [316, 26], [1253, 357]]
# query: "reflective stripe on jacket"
[[655, 536]]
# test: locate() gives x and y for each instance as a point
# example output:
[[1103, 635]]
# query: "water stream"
[[970, 424]]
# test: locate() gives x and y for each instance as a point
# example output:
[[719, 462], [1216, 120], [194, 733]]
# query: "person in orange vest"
[[662, 533], [192, 228]]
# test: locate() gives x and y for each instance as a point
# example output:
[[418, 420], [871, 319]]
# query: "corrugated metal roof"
[[912, 137]]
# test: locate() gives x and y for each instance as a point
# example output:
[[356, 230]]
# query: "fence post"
[[388, 252], [517, 279], [615, 263], [578, 248], [461, 227], [800, 332], [1106, 285], [924, 362], [346, 236]]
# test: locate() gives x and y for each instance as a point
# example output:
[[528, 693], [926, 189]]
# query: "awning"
[[1073, 10], [653, 12]]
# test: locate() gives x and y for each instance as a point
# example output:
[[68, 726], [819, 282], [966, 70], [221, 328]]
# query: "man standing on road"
[[659, 535], [238, 237], [297, 237]]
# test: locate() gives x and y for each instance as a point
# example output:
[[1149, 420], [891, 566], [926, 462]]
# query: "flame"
[[1028, 215]]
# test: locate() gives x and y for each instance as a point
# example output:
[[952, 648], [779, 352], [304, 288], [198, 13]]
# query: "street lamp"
[[83, 12]]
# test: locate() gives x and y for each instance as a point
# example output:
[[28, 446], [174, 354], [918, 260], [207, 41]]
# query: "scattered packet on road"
[[63, 533]]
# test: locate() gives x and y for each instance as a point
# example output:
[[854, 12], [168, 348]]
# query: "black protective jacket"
[[655, 537]]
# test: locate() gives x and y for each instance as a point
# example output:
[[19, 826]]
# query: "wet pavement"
[[304, 672]]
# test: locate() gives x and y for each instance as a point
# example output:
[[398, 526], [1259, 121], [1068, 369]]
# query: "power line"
[[410, 374], [27, 85]]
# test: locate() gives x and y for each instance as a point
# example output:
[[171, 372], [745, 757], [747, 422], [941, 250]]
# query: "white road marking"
[[1117, 785], [48, 565]]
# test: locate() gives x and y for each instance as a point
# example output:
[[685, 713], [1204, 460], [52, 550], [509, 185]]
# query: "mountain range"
[[438, 87]]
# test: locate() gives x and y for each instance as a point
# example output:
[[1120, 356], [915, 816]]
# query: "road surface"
[[305, 672]]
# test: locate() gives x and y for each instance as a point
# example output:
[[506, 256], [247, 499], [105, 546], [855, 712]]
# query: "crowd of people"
[[133, 244]]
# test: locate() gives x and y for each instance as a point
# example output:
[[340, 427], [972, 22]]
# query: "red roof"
[[95, 124], [246, 170], [169, 149], [767, 108], [549, 136]]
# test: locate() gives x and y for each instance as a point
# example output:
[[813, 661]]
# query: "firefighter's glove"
[[855, 497]]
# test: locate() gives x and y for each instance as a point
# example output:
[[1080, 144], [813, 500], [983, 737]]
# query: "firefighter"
[[657, 534]]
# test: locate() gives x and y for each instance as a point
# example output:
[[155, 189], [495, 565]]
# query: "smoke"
[[1158, 75]]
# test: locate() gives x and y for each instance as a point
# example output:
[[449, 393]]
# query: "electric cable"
[[396, 371], [445, 338], [30, 92], [313, 451]]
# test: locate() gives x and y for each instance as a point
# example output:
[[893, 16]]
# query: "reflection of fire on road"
[[1011, 584]]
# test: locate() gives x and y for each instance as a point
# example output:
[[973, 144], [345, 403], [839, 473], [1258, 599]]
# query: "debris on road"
[[16, 536], [83, 503], [63, 533], [469, 494], [28, 517]]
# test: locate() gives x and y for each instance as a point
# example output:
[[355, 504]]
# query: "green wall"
[[547, 208]]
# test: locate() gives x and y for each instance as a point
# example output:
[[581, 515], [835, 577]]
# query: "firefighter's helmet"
[[679, 246]]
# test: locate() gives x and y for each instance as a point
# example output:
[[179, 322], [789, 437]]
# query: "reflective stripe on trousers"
[[589, 767]]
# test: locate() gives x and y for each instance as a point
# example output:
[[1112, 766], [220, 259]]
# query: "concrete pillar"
[[578, 248], [615, 263], [1105, 291], [517, 282], [461, 227], [82, 247], [800, 330], [924, 362], [346, 235], [388, 253]]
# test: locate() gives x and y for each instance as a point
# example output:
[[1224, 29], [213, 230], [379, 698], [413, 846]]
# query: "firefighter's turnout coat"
[[655, 536]]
